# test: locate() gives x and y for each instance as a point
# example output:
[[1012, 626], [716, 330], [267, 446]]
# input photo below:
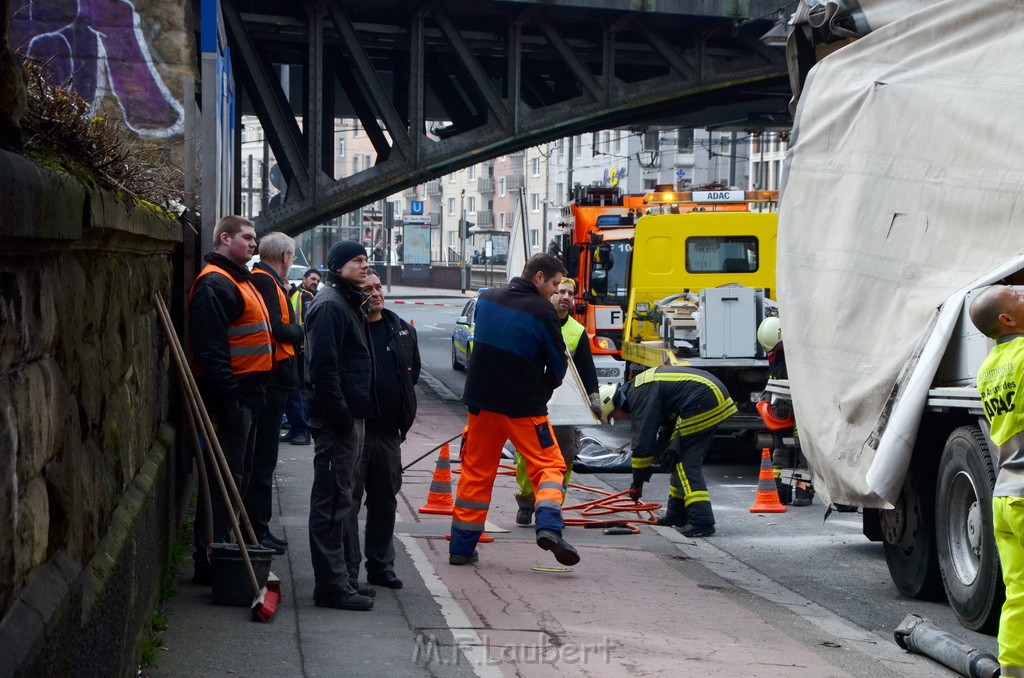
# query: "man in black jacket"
[[277, 251], [397, 369], [339, 367], [518, 361], [233, 354]]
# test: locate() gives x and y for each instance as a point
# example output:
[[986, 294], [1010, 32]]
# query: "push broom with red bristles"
[[264, 605]]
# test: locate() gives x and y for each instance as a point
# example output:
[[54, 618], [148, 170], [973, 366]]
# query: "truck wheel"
[[908, 535], [968, 558]]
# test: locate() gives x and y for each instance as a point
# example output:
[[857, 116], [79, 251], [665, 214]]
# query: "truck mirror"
[[599, 283], [572, 258]]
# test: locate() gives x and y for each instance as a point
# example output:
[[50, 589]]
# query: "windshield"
[[721, 254], [617, 268]]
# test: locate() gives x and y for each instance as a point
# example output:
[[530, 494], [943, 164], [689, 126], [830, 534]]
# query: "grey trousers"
[[330, 503], [380, 478]]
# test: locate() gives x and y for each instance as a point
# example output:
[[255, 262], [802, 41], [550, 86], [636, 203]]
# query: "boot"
[[524, 516], [675, 513], [804, 494]]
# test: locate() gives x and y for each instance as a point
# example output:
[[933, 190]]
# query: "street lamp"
[[462, 239]]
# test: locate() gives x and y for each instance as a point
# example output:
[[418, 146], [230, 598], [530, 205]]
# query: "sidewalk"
[[638, 605]]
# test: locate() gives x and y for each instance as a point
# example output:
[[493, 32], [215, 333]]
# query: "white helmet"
[[769, 334], [607, 395]]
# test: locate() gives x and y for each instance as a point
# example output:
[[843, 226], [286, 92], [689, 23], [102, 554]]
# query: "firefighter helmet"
[[769, 334], [609, 396]]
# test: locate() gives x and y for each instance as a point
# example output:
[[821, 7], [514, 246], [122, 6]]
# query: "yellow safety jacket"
[[572, 331]]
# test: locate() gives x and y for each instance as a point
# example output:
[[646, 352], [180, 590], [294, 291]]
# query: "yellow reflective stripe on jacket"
[[705, 420], [643, 462], [572, 330]]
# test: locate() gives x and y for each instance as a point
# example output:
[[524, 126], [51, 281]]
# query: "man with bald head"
[[998, 312]]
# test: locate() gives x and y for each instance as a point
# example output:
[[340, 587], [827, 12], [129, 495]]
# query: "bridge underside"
[[502, 75]]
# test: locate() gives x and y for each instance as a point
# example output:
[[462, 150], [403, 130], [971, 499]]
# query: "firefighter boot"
[[675, 513], [524, 516]]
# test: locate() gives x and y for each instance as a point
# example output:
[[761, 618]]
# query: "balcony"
[[484, 219], [517, 155], [410, 192], [516, 181], [434, 187], [485, 184], [435, 220]]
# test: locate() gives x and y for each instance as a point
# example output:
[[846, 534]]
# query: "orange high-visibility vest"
[[249, 342], [285, 349]]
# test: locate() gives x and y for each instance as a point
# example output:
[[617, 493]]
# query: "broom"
[[264, 605]]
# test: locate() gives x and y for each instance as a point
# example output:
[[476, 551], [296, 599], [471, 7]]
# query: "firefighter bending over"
[[684, 406]]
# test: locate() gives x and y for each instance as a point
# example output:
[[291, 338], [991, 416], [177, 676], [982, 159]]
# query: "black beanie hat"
[[343, 252]]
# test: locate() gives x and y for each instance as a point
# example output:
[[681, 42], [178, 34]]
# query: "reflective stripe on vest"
[[572, 330], [285, 350], [249, 342], [724, 408]]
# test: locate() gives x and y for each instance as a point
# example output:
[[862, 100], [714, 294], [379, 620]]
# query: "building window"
[[451, 238], [535, 167], [367, 163], [501, 220], [617, 147], [605, 141], [684, 140], [451, 206], [649, 184], [471, 205], [501, 187], [561, 146], [341, 148], [471, 172], [355, 127], [535, 202], [560, 191], [534, 237], [355, 164], [451, 178], [651, 141], [502, 158], [578, 146]]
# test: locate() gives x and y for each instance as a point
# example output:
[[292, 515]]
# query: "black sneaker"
[[549, 540], [463, 559], [285, 437], [274, 538], [301, 440], [362, 589], [696, 530], [268, 543], [342, 600], [387, 579]]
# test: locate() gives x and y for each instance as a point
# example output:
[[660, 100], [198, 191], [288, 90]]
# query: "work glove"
[[640, 476], [595, 404]]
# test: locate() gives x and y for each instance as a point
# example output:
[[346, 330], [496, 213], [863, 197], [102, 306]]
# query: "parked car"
[[462, 336]]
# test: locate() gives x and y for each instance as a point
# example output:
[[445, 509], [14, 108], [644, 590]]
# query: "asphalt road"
[[828, 562]]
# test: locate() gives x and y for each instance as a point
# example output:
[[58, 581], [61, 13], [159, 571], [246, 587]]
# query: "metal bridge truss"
[[502, 75]]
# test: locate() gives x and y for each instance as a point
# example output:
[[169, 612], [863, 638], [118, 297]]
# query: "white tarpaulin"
[[904, 187]]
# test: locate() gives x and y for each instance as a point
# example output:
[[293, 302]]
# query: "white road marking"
[[466, 638]]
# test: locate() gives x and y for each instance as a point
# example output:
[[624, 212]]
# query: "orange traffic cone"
[[439, 497], [767, 498], [484, 538]]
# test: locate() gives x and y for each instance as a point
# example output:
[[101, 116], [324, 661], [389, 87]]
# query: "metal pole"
[[389, 222], [462, 240]]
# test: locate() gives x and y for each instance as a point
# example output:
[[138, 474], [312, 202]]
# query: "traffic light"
[[464, 231]]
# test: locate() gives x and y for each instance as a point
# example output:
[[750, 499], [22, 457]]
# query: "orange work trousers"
[[485, 437]]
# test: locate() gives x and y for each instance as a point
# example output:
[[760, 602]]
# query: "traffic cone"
[[439, 497], [484, 538], [767, 497]]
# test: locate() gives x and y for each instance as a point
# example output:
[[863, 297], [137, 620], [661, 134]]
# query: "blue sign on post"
[[680, 174], [415, 207]]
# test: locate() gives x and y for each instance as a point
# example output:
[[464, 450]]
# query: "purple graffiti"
[[98, 47]]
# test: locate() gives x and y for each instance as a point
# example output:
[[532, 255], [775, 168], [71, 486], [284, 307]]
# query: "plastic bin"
[[231, 585]]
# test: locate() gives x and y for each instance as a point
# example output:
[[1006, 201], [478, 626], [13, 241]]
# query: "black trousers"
[[236, 433], [379, 477], [330, 502], [259, 494]]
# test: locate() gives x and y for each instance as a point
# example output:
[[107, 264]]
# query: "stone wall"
[[90, 486]]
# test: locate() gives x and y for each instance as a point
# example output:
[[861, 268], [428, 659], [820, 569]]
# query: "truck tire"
[[908, 534], [968, 558]]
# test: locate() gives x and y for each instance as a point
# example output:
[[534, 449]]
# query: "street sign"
[[416, 206], [680, 174], [416, 218]]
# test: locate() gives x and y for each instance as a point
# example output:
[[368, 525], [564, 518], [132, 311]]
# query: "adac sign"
[[612, 176]]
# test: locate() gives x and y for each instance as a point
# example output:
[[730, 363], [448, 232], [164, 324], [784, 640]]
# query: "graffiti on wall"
[[99, 48], [613, 175]]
